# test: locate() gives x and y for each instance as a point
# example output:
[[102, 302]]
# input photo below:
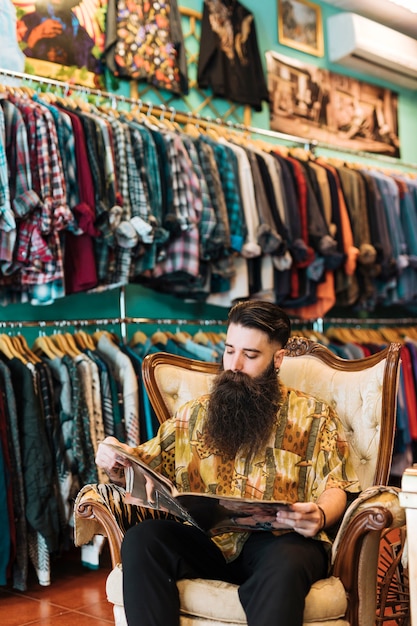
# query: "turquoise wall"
[[141, 302], [266, 19]]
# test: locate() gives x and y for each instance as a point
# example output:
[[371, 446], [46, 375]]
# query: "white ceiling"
[[382, 11]]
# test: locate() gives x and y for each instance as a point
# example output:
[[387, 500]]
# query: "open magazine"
[[210, 513]]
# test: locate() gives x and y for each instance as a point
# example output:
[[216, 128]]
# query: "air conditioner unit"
[[371, 48]]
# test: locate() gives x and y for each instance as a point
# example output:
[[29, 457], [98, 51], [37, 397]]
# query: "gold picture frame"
[[300, 26]]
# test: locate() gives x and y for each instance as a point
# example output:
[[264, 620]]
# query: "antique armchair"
[[364, 393]]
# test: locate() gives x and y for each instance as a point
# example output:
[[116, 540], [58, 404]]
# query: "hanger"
[[106, 333], [392, 334], [21, 346], [84, 341], [411, 332], [164, 121], [301, 154], [61, 341], [201, 338], [8, 349], [44, 345], [193, 130], [182, 336], [139, 337], [159, 337], [174, 123], [72, 343]]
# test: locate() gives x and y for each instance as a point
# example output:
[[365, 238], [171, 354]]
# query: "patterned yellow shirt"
[[306, 454]]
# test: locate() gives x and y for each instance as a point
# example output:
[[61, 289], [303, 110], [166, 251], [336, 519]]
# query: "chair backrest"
[[362, 391]]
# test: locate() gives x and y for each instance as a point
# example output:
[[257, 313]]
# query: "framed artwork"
[[62, 39], [312, 102], [300, 26]]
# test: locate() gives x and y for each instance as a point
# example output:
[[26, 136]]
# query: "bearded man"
[[250, 438]]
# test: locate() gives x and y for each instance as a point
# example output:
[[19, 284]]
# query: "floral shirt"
[[306, 454]]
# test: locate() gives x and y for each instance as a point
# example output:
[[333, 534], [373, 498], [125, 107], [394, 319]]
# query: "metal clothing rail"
[[196, 119], [109, 322], [163, 321], [148, 106], [122, 322], [369, 321]]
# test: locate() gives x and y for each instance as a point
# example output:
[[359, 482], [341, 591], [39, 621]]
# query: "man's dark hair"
[[265, 316]]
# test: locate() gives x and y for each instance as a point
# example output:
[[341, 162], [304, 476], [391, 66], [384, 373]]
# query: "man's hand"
[[111, 462], [46, 30], [307, 518]]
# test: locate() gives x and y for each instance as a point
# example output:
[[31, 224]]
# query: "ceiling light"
[[410, 5]]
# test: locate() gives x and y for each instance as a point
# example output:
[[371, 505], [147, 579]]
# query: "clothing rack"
[[103, 321], [109, 321], [199, 120], [368, 321]]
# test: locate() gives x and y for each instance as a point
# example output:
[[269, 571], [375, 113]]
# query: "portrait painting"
[[62, 39], [300, 26]]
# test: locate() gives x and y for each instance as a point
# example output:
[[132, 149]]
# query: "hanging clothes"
[[93, 198], [229, 61], [144, 41]]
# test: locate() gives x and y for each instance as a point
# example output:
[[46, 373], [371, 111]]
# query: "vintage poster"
[[62, 39], [317, 104]]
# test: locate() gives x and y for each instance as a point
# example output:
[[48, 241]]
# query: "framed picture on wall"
[[300, 26], [62, 39]]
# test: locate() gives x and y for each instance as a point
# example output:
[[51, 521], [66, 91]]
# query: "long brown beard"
[[242, 412]]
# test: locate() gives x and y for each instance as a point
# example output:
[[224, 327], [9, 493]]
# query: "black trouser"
[[274, 573]]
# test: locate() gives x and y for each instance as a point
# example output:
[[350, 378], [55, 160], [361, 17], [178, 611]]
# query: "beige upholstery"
[[363, 393], [218, 602]]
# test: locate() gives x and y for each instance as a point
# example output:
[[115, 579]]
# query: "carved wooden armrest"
[[380, 495], [356, 548]]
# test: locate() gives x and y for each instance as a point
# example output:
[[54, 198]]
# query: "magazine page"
[[148, 488], [211, 513], [143, 470], [217, 515]]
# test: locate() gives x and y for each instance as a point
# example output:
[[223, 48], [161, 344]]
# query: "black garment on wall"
[[229, 60]]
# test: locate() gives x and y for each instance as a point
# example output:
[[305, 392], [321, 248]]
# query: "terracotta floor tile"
[[18, 610], [73, 592], [99, 610], [69, 618], [75, 597]]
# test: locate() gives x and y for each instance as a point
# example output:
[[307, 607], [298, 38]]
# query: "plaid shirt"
[[182, 251], [7, 220], [91, 133], [208, 220], [61, 214], [66, 140], [214, 185], [107, 158], [151, 172], [119, 143], [37, 252], [228, 170], [138, 197]]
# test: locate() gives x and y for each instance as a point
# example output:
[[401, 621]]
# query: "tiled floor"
[[76, 597]]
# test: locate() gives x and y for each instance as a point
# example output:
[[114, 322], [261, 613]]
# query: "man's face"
[[249, 350]]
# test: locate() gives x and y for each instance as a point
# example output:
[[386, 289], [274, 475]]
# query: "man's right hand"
[[46, 30], [111, 462]]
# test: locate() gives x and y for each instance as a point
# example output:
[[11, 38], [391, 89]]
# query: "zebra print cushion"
[[112, 497]]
